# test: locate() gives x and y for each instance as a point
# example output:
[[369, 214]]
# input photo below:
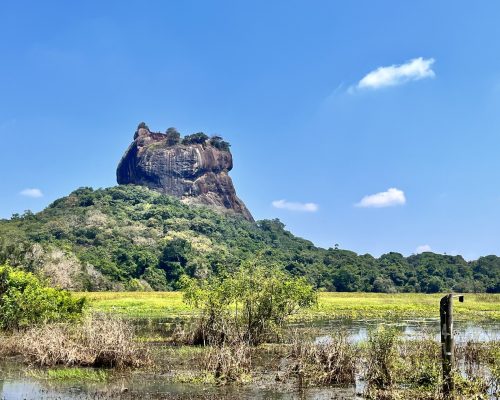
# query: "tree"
[[174, 258], [346, 279], [195, 138], [219, 143], [252, 304], [383, 285], [433, 284], [156, 278], [173, 137]]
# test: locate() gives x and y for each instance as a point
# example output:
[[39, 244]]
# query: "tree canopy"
[[133, 238]]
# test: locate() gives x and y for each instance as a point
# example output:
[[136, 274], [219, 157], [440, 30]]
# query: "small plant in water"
[[229, 363], [78, 374], [325, 362], [381, 360]]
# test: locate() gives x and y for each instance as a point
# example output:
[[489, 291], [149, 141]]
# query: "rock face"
[[197, 173]]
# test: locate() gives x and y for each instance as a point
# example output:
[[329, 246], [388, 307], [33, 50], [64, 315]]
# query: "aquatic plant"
[[230, 362], [331, 360], [381, 360]]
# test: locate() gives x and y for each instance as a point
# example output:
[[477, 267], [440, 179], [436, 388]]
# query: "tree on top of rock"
[[195, 138], [173, 136], [219, 143]]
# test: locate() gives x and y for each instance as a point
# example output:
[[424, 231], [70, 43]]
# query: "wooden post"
[[447, 345]]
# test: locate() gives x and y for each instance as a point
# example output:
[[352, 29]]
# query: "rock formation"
[[194, 169]]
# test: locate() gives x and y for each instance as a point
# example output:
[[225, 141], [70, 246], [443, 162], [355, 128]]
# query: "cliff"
[[194, 169]]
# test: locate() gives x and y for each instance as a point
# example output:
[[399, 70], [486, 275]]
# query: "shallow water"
[[154, 388], [410, 329], [17, 384], [358, 329]]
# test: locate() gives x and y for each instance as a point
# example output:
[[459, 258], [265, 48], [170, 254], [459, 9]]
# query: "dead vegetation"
[[98, 341], [229, 362], [206, 332], [331, 360]]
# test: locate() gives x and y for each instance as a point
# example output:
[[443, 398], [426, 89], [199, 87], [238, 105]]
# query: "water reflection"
[[14, 385], [410, 329], [157, 389]]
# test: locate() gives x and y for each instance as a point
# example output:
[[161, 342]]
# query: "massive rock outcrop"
[[194, 169]]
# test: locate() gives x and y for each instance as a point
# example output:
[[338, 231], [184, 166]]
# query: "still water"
[[16, 383], [154, 388]]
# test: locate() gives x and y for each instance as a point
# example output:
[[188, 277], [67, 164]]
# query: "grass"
[[98, 341], [73, 374], [403, 305], [478, 307], [139, 304], [78, 374]]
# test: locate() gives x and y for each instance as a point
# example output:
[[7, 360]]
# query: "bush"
[[253, 304], [25, 301]]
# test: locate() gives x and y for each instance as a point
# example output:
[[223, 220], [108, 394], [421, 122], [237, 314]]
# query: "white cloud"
[[423, 248], [291, 206], [413, 70], [35, 193], [392, 197]]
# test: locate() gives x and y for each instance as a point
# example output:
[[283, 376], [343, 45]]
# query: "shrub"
[[253, 304], [25, 301]]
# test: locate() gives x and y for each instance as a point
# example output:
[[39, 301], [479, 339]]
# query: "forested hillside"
[[129, 237]]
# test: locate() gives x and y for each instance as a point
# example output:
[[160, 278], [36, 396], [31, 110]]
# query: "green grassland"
[[330, 305]]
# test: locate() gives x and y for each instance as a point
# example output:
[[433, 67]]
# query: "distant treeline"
[[132, 238]]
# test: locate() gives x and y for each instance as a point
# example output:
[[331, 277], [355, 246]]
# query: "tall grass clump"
[[419, 368], [480, 368], [400, 369], [325, 362], [381, 360], [494, 363], [99, 341], [229, 363]]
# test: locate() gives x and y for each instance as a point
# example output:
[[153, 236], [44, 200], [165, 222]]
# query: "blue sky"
[[327, 105]]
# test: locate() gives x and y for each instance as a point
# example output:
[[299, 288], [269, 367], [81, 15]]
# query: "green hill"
[[133, 238]]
